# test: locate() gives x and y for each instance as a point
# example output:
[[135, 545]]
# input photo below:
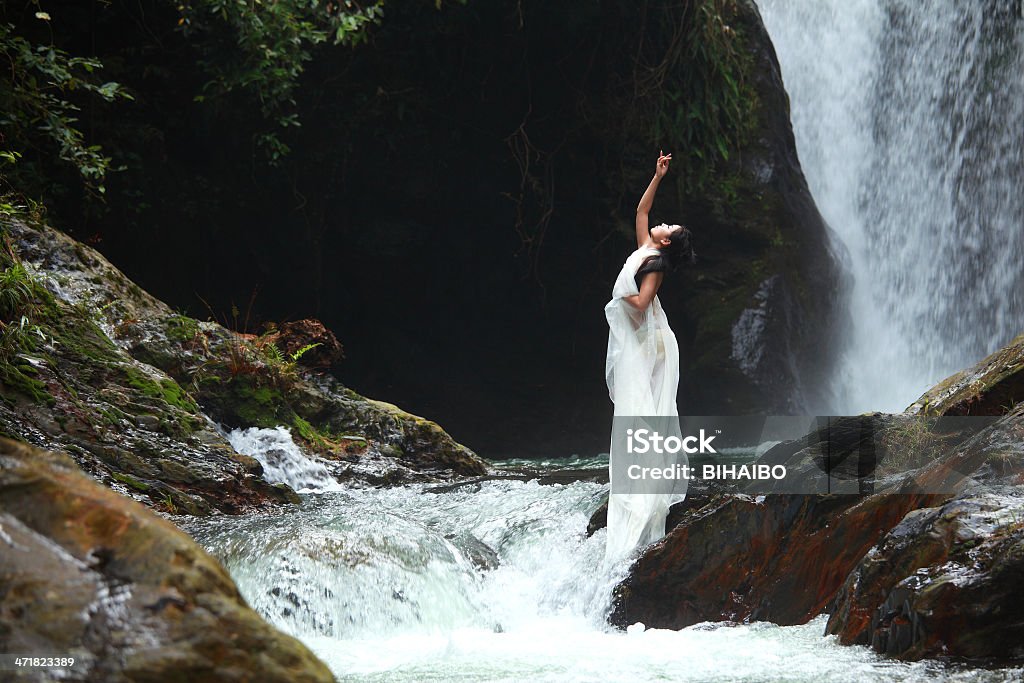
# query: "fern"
[[301, 352], [273, 354]]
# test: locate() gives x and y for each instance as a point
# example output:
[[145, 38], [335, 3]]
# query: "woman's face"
[[663, 234]]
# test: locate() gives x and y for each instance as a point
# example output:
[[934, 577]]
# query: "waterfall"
[[908, 122], [283, 461]]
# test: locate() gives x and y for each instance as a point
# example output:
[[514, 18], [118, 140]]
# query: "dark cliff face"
[[761, 313], [458, 201]]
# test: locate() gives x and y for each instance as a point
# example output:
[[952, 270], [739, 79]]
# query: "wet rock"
[[991, 387], [782, 557], [924, 558], [598, 520], [127, 387], [125, 422], [91, 574], [483, 556], [946, 580]]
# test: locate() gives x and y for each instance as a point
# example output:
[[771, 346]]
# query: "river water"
[[489, 581]]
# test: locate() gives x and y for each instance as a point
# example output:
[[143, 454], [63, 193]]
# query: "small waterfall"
[[283, 461], [366, 563], [907, 118]]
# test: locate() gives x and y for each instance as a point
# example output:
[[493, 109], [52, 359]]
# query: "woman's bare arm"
[[643, 209], [648, 289]]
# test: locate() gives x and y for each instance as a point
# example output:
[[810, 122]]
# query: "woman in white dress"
[[642, 367]]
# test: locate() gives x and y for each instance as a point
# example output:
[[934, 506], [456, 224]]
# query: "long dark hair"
[[679, 250]]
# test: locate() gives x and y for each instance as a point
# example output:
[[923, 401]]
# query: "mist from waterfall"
[[908, 123]]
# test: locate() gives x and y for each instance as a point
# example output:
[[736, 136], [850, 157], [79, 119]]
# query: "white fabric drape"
[[642, 371]]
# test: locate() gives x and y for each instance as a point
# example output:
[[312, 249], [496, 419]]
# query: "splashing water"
[[494, 581], [907, 117], [283, 461]]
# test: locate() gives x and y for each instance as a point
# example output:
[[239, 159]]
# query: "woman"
[[642, 366]]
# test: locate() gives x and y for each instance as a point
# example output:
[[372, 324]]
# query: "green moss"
[[79, 335], [182, 328], [182, 427], [176, 396], [17, 377], [253, 404], [306, 430], [320, 438], [131, 482], [24, 304], [166, 389], [112, 416]]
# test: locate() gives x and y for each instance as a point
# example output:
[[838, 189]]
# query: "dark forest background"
[[448, 186]]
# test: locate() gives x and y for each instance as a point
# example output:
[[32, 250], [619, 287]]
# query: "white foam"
[[283, 461], [376, 582]]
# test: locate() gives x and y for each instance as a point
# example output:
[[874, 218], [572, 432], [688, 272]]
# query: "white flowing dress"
[[642, 371]]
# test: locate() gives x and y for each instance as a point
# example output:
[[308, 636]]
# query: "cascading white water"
[[283, 461], [492, 581], [908, 122]]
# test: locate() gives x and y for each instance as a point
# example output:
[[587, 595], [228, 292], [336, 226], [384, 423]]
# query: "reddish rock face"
[[780, 560], [946, 580], [912, 574], [780, 557], [323, 348]]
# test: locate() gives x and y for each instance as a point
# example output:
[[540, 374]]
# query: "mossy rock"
[[121, 384], [759, 315], [994, 386], [99, 577]]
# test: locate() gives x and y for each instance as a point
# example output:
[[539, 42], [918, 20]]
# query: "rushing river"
[[490, 581]]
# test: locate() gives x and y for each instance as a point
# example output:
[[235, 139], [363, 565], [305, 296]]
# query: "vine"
[[691, 93]]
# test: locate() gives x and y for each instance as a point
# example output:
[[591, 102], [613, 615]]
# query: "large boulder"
[[128, 388], [946, 580], [90, 574], [775, 557], [126, 422]]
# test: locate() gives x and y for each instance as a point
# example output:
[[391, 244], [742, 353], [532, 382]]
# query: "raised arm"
[[643, 209]]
